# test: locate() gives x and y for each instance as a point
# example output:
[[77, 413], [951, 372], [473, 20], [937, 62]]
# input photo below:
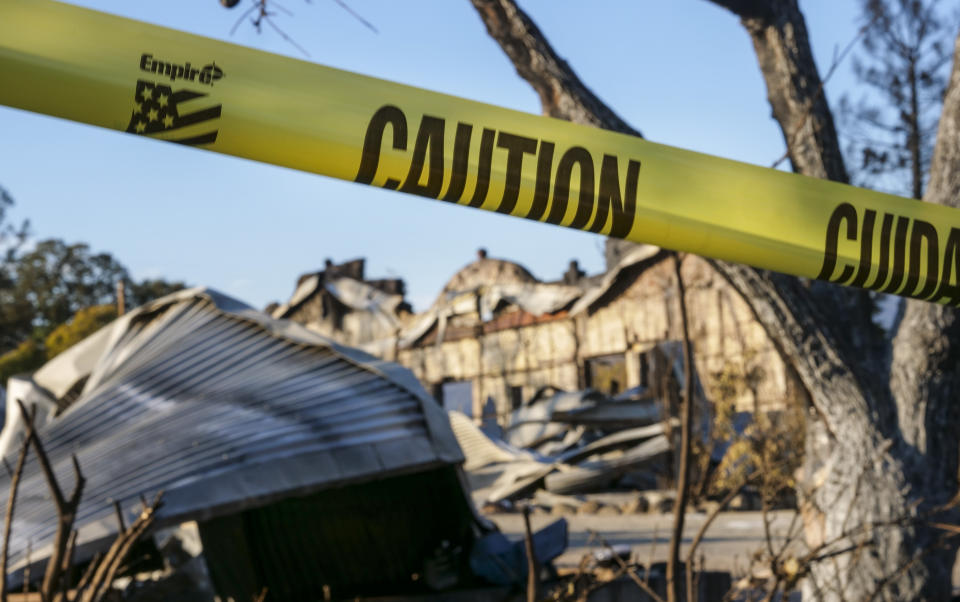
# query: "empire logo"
[[208, 74], [175, 115]]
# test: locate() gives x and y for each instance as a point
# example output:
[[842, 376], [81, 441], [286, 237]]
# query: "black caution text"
[[440, 172]]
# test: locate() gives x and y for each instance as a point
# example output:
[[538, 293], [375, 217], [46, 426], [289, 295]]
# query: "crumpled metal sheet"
[[504, 562], [353, 293], [533, 424], [363, 297], [599, 473], [224, 409], [479, 450]]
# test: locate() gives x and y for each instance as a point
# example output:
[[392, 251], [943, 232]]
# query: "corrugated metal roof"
[[479, 449], [225, 409]]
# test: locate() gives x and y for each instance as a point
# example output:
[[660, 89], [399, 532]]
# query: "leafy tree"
[[26, 357], [34, 352], [58, 279], [904, 66], [47, 285], [37, 349], [11, 235]]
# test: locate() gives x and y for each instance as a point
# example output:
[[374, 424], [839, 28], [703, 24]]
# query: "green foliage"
[[50, 283], [59, 279], [27, 357], [31, 353], [145, 291], [84, 323], [55, 280]]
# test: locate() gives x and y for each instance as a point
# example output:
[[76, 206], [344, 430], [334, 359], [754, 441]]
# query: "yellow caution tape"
[[130, 76]]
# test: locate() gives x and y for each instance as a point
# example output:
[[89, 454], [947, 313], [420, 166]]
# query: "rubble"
[[499, 334], [568, 443]]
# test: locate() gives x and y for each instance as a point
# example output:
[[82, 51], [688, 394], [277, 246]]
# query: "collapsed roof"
[[483, 286], [581, 441], [221, 407]]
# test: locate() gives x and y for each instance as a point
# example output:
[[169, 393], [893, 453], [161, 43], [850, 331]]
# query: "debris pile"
[[568, 444]]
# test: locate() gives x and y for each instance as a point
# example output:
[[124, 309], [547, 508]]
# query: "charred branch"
[[111, 563], [66, 510], [15, 476]]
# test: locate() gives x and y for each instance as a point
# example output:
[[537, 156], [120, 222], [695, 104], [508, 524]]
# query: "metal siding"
[[222, 414]]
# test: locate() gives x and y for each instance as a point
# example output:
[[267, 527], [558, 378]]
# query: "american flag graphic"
[[158, 112]]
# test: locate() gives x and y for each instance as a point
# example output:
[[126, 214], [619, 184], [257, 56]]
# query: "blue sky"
[[683, 72]]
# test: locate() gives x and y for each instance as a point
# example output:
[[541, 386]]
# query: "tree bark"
[[857, 473], [794, 88], [881, 451], [924, 376]]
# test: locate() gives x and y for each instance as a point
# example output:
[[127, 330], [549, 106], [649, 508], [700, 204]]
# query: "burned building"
[[340, 303], [496, 335]]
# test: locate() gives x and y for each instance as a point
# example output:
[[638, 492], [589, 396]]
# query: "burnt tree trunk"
[[882, 440]]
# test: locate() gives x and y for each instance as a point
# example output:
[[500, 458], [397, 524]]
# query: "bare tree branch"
[[66, 511], [561, 92], [926, 351], [112, 561], [356, 15], [630, 572], [674, 589], [15, 476], [702, 531], [66, 565], [533, 577], [794, 88]]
